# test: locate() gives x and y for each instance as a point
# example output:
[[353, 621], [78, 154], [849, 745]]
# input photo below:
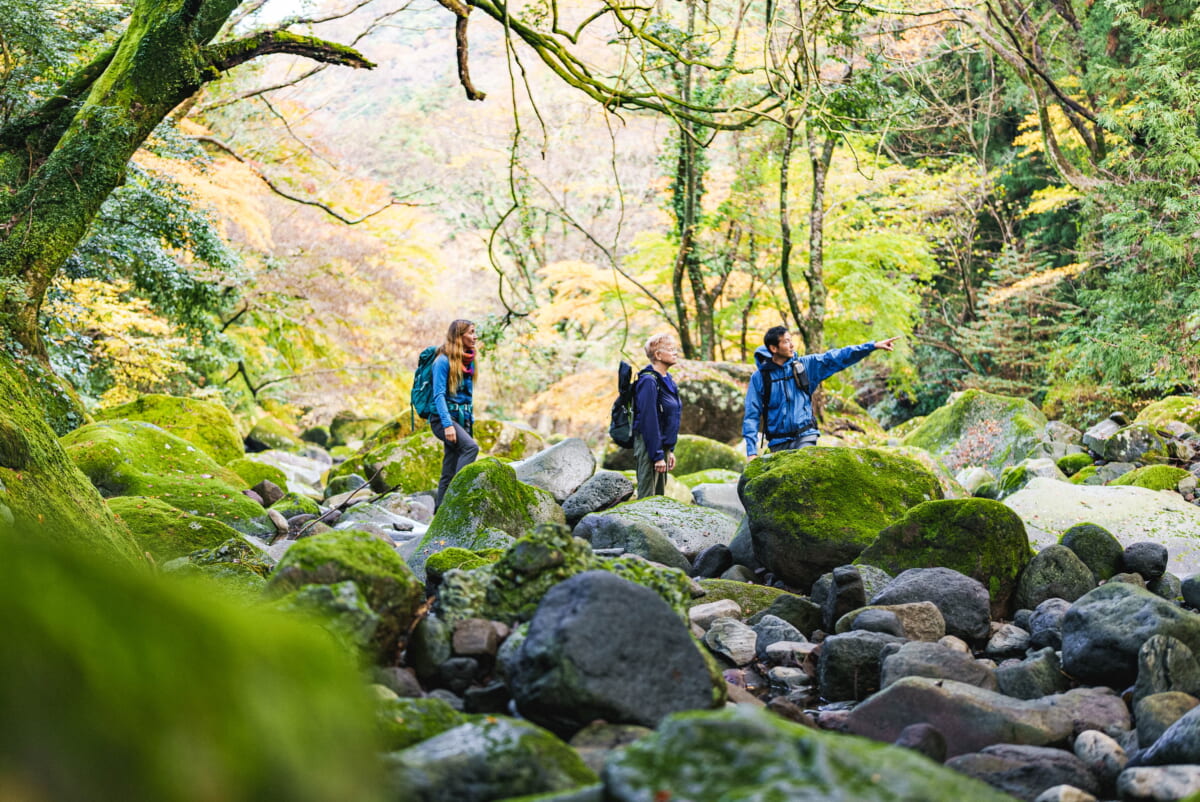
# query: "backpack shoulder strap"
[[766, 404]]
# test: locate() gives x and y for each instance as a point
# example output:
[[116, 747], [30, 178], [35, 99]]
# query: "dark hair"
[[774, 335]]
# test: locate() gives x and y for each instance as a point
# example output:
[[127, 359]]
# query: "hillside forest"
[[280, 203]]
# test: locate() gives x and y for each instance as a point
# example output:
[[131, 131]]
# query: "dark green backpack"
[[422, 386]]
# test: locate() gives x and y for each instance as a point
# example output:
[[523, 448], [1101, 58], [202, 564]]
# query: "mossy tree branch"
[[224, 56]]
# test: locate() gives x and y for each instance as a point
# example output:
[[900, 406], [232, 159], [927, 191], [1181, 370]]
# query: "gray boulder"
[[1026, 771], [849, 664], [1159, 783], [574, 665], [632, 537], [1155, 715], [963, 601], [1166, 664], [1055, 572], [1147, 559], [602, 490], [934, 660], [723, 497], [1038, 675], [690, 528], [560, 469]]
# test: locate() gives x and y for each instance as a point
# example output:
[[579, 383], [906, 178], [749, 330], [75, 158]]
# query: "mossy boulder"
[[1014, 477], [694, 453], [1098, 548], [340, 609], [951, 487], [484, 497], [492, 758], [455, 558], [407, 722], [1072, 464], [1153, 477], [717, 476], [349, 427], [982, 539], [751, 598], [293, 504], [979, 428], [1139, 442], [408, 466], [507, 440], [389, 586], [510, 589], [689, 527], [206, 424], [1182, 408], [123, 680], [269, 432], [1087, 475], [167, 532], [812, 510], [748, 753], [134, 458], [237, 567], [851, 424], [713, 395], [252, 472]]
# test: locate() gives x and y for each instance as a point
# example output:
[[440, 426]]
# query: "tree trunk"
[[785, 224], [812, 325]]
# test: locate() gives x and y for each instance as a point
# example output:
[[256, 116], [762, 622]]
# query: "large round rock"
[[560, 469], [980, 538], [812, 510], [1103, 631], [601, 647], [962, 601]]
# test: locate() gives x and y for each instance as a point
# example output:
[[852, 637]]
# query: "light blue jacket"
[[791, 415], [444, 400]]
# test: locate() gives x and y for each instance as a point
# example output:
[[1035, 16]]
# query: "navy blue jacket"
[[656, 412], [791, 413]]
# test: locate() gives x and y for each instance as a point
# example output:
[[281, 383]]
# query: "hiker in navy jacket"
[[793, 380], [656, 411], [453, 421]]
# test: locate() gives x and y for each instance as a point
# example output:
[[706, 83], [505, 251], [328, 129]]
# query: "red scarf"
[[468, 359]]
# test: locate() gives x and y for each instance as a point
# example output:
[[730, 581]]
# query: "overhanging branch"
[[224, 56]]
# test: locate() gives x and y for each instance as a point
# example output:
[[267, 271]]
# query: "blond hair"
[[453, 349], [655, 344]]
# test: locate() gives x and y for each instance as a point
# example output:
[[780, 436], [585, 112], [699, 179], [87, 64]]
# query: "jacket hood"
[[762, 357]]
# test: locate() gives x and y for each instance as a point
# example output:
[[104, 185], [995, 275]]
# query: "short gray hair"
[[656, 342]]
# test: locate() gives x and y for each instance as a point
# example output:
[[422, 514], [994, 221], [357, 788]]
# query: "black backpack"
[[620, 424]]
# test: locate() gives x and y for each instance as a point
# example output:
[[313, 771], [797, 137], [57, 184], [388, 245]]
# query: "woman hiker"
[[454, 419], [656, 411]]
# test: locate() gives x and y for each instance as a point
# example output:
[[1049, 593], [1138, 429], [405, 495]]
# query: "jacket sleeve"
[[645, 415], [753, 411], [441, 377], [822, 366]]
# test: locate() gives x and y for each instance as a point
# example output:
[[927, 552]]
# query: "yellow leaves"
[[1050, 199], [575, 288], [1039, 279]]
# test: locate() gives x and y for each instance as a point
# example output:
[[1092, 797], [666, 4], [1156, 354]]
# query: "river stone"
[[302, 474], [341, 610], [796, 610], [483, 497], [962, 601], [492, 758], [1189, 588], [1055, 572], [879, 619], [733, 640], [1138, 442], [602, 490], [772, 629], [1131, 513], [982, 539], [1180, 742], [748, 753], [1155, 714], [712, 562], [1099, 550], [1103, 756], [846, 593], [1038, 675], [1103, 631], [633, 537], [972, 718], [848, 495], [1167, 586], [978, 428], [702, 615], [742, 547], [1025, 771], [560, 469], [1166, 664], [1007, 641], [923, 659], [1159, 784], [573, 666], [1045, 623], [692, 529], [723, 497], [849, 664], [1147, 559]]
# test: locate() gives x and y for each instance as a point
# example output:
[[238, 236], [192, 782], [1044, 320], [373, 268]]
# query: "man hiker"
[[781, 390]]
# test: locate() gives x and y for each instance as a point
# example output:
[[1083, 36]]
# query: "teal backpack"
[[422, 385]]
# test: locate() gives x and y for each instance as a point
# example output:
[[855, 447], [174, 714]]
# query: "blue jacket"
[[444, 401], [656, 412], [791, 413]]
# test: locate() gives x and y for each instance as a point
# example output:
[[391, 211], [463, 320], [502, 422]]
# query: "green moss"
[[274, 433], [293, 504], [694, 453], [979, 428], [1098, 548], [982, 539], [449, 559], [347, 427], [1013, 478], [206, 424], [386, 582], [231, 704], [252, 472], [40, 487], [1072, 464], [950, 486], [394, 431], [133, 458], [1182, 408], [409, 466], [715, 476], [506, 440], [1084, 474], [1152, 477], [340, 609], [166, 532], [1081, 405], [405, 722], [751, 598]]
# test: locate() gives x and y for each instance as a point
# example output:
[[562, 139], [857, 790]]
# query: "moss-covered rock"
[[269, 432], [1182, 408], [348, 427], [851, 424], [41, 491], [206, 424], [1072, 464], [293, 504], [979, 428], [1014, 477], [238, 568], [510, 589], [747, 753], [951, 487], [713, 395], [1153, 477], [812, 510], [690, 528], [485, 495], [982, 539], [455, 558], [386, 582], [751, 598], [125, 680], [340, 609], [715, 476], [134, 458], [1087, 475], [694, 453], [252, 472], [507, 440], [408, 466], [167, 532], [1098, 548], [407, 722], [1138, 442]]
